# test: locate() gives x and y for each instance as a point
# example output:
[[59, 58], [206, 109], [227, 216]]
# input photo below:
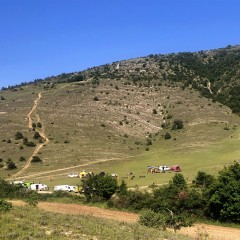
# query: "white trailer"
[[39, 187], [65, 188]]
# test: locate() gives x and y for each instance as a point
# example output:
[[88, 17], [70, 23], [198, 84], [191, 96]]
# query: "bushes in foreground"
[[208, 197]]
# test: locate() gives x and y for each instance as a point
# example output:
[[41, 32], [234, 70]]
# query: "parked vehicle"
[[73, 188], [65, 188], [39, 187], [73, 175], [164, 168], [175, 168]]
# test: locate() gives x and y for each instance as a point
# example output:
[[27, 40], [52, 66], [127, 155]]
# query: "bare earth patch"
[[212, 232]]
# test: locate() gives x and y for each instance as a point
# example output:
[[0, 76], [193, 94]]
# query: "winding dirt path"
[[41, 132], [211, 232]]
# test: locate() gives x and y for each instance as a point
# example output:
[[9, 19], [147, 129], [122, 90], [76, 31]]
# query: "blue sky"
[[41, 38]]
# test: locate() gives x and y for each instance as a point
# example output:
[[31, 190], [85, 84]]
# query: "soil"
[[198, 231]]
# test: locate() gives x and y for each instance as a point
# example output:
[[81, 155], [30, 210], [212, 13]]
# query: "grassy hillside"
[[32, 223], [114, 118]]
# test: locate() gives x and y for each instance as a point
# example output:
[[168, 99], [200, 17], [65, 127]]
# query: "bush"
[[21, 159], [152, 219], [36, 135], [177, 124], [10, 164], [5, 206], [163, 220], [36, 159], [167, 136], [96, 98], [154, 111], [18, 136]]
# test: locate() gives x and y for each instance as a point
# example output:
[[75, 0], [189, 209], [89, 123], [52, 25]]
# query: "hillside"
[[117, 115]]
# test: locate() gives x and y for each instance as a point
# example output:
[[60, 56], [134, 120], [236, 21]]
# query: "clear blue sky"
[[40, 38]]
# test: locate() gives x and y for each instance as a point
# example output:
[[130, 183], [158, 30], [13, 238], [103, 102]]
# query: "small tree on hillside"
[[177, 124], [10, 164], [36, 135], [36, 159], [18, 135]]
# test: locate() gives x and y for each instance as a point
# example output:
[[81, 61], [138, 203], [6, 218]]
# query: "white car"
[[164, 168], [73, 175]]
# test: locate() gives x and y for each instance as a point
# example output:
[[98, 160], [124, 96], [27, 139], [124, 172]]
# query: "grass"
[[31, 223], [83, 132]]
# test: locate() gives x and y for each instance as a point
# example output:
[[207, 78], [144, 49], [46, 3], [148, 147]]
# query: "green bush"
[[18, 136], [167, 136], [5, 206], [177, 124], [36, 159]]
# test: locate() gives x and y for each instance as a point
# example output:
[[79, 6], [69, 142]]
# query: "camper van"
[[39, 187], [65, 188]]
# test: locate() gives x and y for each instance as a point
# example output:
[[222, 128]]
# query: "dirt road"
[[210, 231], [40, 131]]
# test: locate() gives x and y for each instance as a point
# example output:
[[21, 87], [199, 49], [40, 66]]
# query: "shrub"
[[22, 159], [5, 206], [167, 136], [36, 159], [177, 124], [18, 136], [39, 125], [36, 135], [10, 164], [152, 219], [154, 111], [96, 98]]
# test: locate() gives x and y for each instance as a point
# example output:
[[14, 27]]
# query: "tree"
[[203, 180], [99, 187], [224, 195], [177, 124], [34, 125], [122, 189], [36, 135], [18, 135], [39, 125], [10, 164]]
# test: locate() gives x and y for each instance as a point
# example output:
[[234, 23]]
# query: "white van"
[[39, 187], [65, 188]]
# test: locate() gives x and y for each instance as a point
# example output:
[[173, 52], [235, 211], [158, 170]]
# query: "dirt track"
[[41, 132], [213, 232]]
